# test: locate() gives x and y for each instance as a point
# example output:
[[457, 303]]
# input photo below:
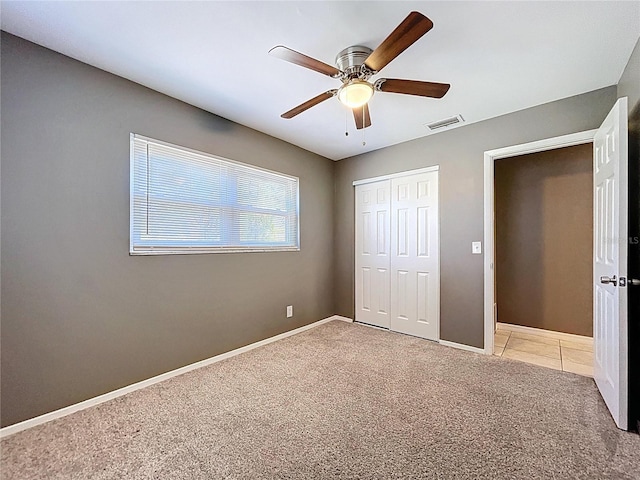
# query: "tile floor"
[[568, 356]]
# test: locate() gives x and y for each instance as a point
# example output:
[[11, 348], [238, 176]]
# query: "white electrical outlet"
[[476, 248], [289, 311]]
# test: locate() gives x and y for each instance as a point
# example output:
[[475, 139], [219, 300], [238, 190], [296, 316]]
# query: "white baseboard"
[[569, 337], [47, 417], [462, 346]]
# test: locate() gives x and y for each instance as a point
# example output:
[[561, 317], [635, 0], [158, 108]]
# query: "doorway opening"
[[543, 259], [490, 159], [610, 252]]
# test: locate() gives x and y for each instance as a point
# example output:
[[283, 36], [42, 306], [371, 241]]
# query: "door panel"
[[423, 298], [372, 253], [610, 262], [402, 301], [423, 232], [365, 302], [383, 291], [382, 224]]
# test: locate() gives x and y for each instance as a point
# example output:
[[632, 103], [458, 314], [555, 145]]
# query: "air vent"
[[447, 122]]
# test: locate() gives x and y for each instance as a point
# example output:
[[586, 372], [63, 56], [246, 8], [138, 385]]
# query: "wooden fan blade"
[[413, 87], [292, 56], [308, 104], [405, 34], [361, 116]]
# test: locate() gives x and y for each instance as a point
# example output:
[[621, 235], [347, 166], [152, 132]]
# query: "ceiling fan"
[[357, 64]]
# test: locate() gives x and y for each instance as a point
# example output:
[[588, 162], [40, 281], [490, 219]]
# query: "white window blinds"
[[183, 201]]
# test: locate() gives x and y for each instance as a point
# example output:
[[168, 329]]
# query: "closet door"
[[373, 207], [415, 268]]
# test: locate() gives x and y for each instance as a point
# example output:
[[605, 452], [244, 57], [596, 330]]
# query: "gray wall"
[[544, 239], [459, 152], [629, 84], [80, 317]]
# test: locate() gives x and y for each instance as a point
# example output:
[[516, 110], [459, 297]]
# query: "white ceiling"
[[499, 57]]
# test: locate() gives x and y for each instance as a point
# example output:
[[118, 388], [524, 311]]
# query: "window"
[[183, 201]]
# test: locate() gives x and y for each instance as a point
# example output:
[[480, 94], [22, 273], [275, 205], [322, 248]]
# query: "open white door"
[[610, 262]]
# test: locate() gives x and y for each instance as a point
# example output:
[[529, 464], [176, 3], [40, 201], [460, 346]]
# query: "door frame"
[[490, 157], [433, 168]]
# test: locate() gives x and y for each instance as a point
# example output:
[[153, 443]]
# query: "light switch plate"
[[476, 248], [289, 311]]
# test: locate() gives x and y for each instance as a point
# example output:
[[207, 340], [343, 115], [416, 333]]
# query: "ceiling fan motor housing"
[[351, 61]]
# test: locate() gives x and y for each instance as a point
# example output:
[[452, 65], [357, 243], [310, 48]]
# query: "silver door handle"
[[634, 281], [604, 279]]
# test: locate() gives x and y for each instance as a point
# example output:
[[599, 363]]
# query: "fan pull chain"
[[346, 123], [364, 128]]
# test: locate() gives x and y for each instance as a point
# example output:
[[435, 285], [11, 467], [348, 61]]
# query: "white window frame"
[[136, 249]]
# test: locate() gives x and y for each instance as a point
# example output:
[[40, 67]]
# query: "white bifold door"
[[373, 209], [610, 191], [397, 254]]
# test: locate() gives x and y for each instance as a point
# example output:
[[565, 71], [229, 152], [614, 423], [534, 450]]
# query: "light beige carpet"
[[340, 401]]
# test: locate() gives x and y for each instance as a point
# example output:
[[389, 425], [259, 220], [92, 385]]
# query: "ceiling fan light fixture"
[[355, 93]]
